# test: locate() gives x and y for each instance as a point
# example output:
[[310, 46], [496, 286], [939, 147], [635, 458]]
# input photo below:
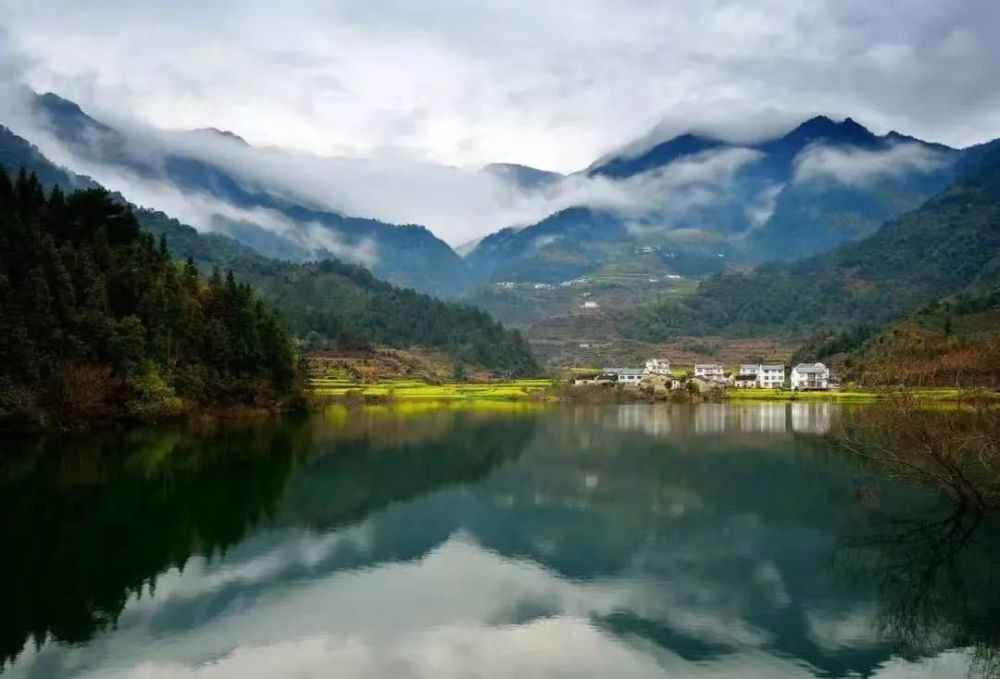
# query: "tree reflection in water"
[[91, 522], [937, 576]]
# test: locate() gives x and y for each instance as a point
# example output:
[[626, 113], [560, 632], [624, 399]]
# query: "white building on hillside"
[[710, 372], [810, 376], [658, 366]]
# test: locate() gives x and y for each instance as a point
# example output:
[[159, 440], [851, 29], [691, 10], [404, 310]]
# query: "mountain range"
[[819, 229], [713, 204], [692, 205], [266, 218], [950, 245]]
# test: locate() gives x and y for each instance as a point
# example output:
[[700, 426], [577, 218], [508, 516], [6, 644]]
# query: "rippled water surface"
[[620, 541]]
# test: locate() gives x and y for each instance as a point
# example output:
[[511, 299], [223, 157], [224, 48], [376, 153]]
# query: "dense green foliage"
[[821, 347], [96, 320], [949, 244], [333, 304]]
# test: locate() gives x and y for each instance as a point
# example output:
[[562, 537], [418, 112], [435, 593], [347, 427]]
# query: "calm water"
[[622, 541]]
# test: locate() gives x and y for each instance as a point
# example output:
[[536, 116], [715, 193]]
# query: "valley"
[[708, 250]]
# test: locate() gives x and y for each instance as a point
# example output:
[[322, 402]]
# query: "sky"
[[544, 83]]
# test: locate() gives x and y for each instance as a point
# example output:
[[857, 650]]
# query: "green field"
[[414, 390]]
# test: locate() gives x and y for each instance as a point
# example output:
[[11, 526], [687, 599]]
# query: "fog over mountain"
[[520, 133]]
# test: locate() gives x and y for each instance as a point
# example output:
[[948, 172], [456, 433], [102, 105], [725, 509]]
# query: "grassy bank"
[[336, 388], [416, 391], [934, 395]]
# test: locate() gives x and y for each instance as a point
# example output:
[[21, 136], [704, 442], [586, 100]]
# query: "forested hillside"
[[329, 303], [950, 243], [953, 342], [97, 321], [333, 304]]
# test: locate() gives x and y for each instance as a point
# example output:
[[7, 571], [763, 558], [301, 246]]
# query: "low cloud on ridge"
[[861, 167], [456, 204]]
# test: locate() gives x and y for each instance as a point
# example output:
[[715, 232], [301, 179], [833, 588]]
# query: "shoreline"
[[555, 391], [415, 396]]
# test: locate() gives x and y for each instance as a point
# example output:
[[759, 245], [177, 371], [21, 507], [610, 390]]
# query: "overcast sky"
[[546, 83]]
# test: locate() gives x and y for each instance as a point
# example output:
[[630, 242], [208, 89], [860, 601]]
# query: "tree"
[[88, 299]]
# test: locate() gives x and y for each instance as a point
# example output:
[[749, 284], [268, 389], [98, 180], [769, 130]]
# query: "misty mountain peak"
[[823, 127], [65, 117], [225, 134]]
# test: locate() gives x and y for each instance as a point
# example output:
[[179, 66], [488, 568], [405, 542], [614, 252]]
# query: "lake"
[[516, 541]]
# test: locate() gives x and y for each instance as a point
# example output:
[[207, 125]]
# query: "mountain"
[[221, 134], [664, 153], [271, 221], [16, 152], [332, 303], [948, 245], [706, 205], [522, 176]]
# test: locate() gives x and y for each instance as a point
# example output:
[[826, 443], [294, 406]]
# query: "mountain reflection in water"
[[625, 541]]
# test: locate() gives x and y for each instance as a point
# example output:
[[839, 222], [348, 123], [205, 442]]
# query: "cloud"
[[762, 206], [859, 167], [719, 124], [200, 209], [528, 81], [401, 619], [456, 204]]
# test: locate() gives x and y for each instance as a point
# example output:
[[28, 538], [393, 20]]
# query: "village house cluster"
[[802, 377]]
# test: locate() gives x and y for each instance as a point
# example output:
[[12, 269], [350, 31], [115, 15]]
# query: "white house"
[[746, 376], [590, 305], [658, 366], [810, 376], [770, 376], [710, 372], [761, 376], [629, 377]]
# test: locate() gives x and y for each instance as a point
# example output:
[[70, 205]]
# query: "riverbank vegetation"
[[97, 322], [390, 391], [954, 449]]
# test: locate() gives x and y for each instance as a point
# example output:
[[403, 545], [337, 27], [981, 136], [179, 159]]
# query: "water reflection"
[[937, 573], [718, 418], [596, 542]]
